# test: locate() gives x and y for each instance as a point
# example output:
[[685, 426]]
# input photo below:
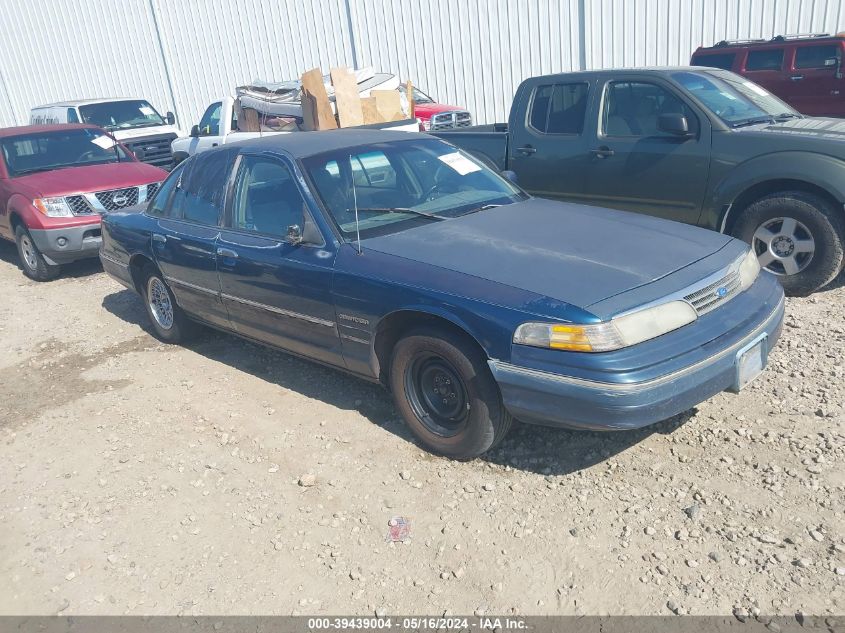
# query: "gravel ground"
[[221, 477]]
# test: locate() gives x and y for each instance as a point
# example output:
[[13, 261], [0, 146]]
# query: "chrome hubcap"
[[159, 302], [28, 250], [784, 246]]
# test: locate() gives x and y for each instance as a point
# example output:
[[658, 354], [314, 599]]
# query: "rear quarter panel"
[[126, 234]]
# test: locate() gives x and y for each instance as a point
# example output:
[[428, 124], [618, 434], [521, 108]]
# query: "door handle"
[[527, 150], [227, 252], [158, 237], [797, 77], [602, 152], [214, 144]]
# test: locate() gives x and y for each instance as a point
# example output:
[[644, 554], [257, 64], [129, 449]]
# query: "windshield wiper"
[[788, 115], [483, 207], [399, 210], [754, 121]]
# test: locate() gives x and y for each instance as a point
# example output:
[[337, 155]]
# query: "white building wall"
[[183, 54]]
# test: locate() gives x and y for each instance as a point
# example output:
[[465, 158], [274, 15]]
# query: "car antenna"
[[355, 204]]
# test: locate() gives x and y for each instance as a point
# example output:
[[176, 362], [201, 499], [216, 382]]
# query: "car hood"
[[88, 178], [572, 253], [425, 110], [806, 128]]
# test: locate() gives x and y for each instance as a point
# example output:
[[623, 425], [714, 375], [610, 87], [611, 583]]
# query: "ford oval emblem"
[[721, 291]]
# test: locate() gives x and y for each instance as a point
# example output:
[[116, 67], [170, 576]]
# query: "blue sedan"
[[400, 259]]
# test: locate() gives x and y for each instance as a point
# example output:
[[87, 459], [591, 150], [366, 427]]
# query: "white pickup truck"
[[133, 122], [265, 108]]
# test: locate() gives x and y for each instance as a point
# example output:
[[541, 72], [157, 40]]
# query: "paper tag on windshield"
[[103, 141], [146, 110], [755, 88], [459, 163]]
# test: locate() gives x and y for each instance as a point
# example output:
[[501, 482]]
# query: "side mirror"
[[170, 118], [510, 176], [195, 131], [673, 123], [294, 235]]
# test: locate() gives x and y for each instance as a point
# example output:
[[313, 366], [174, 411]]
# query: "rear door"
[[185, 240], [549, 149], [637, 167], [276, 291], [817, 87]]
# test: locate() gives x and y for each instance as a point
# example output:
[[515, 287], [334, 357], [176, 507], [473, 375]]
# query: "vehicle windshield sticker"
[[755, 88], [146, 110], [459, 163], [103, 141]]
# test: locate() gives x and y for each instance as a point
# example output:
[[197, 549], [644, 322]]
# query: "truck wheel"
[[447, 395], [798, 236], [168, 320], [32, 261]]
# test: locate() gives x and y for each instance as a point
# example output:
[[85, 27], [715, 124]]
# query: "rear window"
[[768, 59], [725, 61], [816, 56], [201, 187], [559, 108]]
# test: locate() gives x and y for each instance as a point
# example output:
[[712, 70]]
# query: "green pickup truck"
[[698, 145]]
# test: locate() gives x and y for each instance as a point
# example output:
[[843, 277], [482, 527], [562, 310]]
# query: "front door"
[[817, 89], [211, 132], [548, 152], [185, 240], [276, 290], [636, 166]]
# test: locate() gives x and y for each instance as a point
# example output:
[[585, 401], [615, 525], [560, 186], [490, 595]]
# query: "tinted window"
[[71, 116], [46, 151], [158, 205], [266, 198], [201, 187], [725, 61], [633, 109], [816, 56], [210, 121], [559, 108], [121, 114], [771, 59]]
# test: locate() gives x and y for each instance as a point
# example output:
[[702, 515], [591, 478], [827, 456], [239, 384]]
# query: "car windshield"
[[46, 151], [734, 99], [122, 115], [420, 96], [401, 184]]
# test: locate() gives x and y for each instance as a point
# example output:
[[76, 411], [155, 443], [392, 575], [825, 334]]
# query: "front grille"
[[117, 198], [152, 188], [154, 150], [450, 120], [79, 205], [712, 296]]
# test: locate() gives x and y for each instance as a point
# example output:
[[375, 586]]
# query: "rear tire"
[[798, 236], [169, 322], [442, 386], [32, 261]]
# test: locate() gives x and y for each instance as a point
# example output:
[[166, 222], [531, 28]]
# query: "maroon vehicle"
[[55, 183], [803, 70]]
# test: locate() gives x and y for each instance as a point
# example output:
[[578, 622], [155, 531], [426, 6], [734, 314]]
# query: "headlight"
[[748, 270], [622, 331], [52, 207]]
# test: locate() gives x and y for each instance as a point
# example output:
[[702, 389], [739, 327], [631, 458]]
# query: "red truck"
[[803, 70], [55, 183], [438, 116]]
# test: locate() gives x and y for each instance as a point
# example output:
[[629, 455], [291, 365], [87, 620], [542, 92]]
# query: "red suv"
[[803, 70], [55, 183]]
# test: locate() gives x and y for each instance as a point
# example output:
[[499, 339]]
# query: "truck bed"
[[487, 142]]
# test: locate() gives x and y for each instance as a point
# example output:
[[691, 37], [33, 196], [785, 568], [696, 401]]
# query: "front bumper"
[[60, 246], [554, 399]]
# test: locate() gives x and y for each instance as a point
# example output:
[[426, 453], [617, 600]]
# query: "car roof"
[[775, 42], [35, 129], [304, 144], [82, 102], [618, 72]]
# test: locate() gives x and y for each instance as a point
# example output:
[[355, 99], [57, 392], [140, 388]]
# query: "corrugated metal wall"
[[184, 54]]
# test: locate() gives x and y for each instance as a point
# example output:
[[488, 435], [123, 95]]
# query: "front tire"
[[443, 388], [798, 236], [169, 322], [32, 261]]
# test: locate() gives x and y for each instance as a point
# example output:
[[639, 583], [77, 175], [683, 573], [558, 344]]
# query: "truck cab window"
[[266, 199], [210, 121], [633, 109], [559, 108]]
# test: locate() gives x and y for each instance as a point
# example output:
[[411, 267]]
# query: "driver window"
[[633, 109], [266, 198], [210, 121]]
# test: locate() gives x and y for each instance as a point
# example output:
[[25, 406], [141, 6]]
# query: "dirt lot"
[[222, 477]]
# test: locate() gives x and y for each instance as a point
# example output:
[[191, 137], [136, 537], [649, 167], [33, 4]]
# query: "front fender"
[[820, 170]]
